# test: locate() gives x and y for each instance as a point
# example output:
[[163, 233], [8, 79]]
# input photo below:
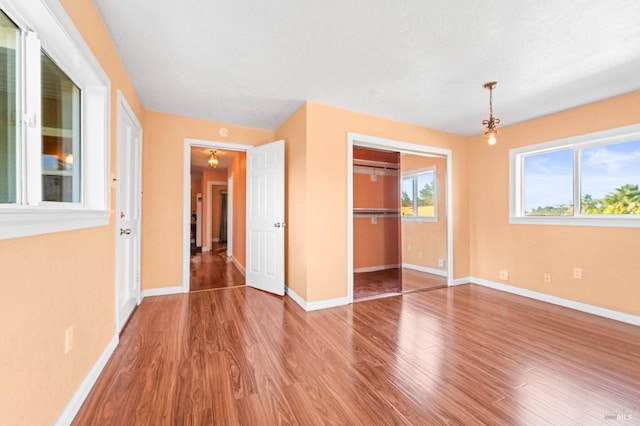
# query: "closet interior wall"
[[376, 222]]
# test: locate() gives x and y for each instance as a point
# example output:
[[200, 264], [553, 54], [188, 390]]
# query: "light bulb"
[[491, 136]]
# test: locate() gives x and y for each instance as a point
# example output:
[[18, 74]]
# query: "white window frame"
[[414, 174], [46, 22], [575, 143]]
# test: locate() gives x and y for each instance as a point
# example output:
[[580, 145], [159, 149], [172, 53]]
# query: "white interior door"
[[265, 217], [128, 190]]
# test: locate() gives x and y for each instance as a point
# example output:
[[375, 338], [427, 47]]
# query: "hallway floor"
[[213, 269]]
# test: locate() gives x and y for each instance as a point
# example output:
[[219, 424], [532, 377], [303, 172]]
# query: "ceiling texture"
[[254, 62]]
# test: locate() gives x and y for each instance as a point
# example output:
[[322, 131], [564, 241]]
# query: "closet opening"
[[399, 233]]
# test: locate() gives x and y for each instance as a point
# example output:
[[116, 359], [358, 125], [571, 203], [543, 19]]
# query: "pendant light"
[[213, 160], [492, 123]]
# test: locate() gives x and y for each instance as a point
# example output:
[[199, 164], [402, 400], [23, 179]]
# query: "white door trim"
[[383, 143], [209, 236], [186, 192], [124, 107]]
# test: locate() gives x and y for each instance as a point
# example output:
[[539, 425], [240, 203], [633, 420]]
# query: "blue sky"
[[549, 176]]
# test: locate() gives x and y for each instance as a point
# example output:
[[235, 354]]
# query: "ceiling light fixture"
[[492, 122], [213, 160]]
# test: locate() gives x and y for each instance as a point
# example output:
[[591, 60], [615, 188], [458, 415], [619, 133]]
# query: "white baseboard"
[[567, 303], [320, 304], [425, 269], [163, 291], [463, 280], [375, 268], [77, 399], [238, 265]]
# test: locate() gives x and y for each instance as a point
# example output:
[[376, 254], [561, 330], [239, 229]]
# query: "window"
[[9, 35], [54, 117], [418, 194], [590, 180], [60, 135]]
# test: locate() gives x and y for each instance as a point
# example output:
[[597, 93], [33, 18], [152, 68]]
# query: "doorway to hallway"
[[255, 200]]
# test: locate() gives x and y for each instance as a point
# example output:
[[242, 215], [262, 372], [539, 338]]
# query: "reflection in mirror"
[[424, 222]]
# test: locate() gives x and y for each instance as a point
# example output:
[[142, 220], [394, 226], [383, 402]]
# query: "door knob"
[[126, 231], [277, 224]]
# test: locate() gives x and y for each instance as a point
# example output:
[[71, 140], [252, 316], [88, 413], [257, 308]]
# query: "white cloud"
[[612, 161]]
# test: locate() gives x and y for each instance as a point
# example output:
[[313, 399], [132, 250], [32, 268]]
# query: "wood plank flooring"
[[376, 283], [464, 355], [394, 280], [213, 269], [413, 280]]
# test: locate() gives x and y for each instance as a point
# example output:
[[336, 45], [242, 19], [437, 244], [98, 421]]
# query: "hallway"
[[213, 270]]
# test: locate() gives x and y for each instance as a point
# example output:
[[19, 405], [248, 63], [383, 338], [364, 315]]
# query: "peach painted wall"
[[211, 176], [162, 182], [238, 170], [326, 201], [608, 256], [54, 281], [428, 240], [293, 131]]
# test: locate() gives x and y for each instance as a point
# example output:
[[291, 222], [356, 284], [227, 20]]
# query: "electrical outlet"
[[420, 255], [68, 340], [408, 247], [547, 278], [504, 275], [577, 273], [440, 263]]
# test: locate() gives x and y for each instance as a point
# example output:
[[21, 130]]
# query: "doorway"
[[258, 213], [215, 262], [209, 265], [416, 233], [376, 223]]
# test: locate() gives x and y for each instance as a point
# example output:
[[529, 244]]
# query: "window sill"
[[23, 222], [616, 222], [419, 218]]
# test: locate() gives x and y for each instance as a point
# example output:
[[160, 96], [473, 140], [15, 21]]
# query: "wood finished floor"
[[213, 269], [463, 355], [416, 280], [393, 280]]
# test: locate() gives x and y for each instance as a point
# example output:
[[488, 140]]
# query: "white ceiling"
[[254, 62]]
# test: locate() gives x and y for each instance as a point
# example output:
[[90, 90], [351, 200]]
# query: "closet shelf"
[[373, 211], [376, 164]]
